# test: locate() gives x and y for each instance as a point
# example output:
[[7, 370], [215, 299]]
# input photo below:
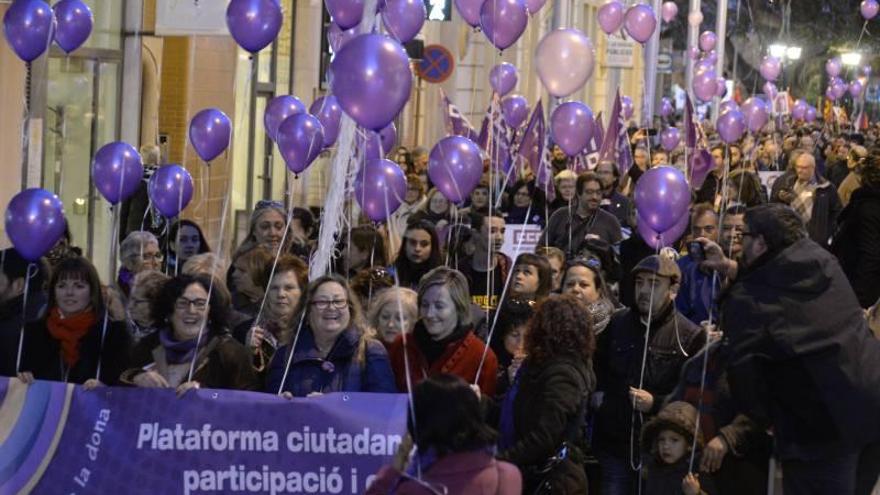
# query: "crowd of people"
[[595, 363]]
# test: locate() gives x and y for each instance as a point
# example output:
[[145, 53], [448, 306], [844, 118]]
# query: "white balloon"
[[564, 61], [695, 18]]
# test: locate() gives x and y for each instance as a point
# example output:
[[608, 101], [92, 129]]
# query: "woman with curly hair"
[[542, 415]]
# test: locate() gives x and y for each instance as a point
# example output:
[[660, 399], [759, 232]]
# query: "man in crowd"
[[812, 197], [852, 181], [487, 269], [699, 287], [13, 279], [612, 201]]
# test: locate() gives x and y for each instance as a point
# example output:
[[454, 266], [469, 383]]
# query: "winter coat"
[[665, 479], [618, 367], [551, 397], [857, 244], [462, 473], [461, 358], [697, 293], [10, 327], [222, 363], [620, 206], [802, 357], [826, 207], [356, 363], [41, 354], [567, 230]]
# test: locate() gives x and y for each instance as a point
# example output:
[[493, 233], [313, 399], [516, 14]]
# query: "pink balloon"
[[640, 22], [731, 125], [693, 53], [703, 66], [695, 19], [756, 112], [564, 61], [626, 105], [770, 68], [611, 16], [711, 57], [668, 11], [705, 85], [669, 138], [855, 89], [770, 90], [869, 9], [833, 67], [708, 40]]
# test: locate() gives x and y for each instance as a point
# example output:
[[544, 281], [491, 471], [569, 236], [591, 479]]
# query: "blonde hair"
[[407, 298], [207, 264], [457, 285]]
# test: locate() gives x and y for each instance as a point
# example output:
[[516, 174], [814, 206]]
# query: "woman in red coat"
[[443, 340]]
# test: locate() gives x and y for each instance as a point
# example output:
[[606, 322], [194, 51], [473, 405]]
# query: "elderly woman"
[[185, 240], [393, 311], [443, 340], [583, 280], [193, 336], [565, 183], [542, 415], [138, 252], [145, 291], [331, 351], [419, 253], [73, 340]]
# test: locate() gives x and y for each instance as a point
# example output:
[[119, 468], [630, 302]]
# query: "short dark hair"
[[305, 217], [449, 417], [477, 221], [171, 240], [77, 267], [584, 178], [778, 224], [218, 312], [370, 240], [545, 278]]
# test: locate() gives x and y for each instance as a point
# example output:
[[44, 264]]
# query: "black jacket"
[[826, 207], [10, 327], [857, 244], [802, 357]]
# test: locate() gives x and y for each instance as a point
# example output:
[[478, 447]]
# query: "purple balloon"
[[35, 222], [469, 10], [300, 140], [379, 144], [338, 37], [640, 22], [810, 114], [455, 167], [839, 87], [866, 70], [708, 40], [627, 107], [693, 53], [658, 240], [833, 67], [770, 68], [346, 13], [533, 6], [503, 21], [278, 110], [328, 111], [571, 125], [731, 125], [28, 26], [756, 112], [515, 110], [829, 93], [117, 171], [74, 26], [703, 66], [700, 163], [379, 188], [869, 9], [669, 138], [611, 16], [170, 190], [403, 19], [799, 109], [209, 133], [666, 108], [770, 90], [711, 57], [705, 85], [371, 78], [855, 89], [254, 23], [662, 197], [668, 11], [503, 78], [720, 87], [726, 106]]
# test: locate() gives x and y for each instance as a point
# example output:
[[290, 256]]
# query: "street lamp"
[[793, 52], [785, 52], [851, 58]]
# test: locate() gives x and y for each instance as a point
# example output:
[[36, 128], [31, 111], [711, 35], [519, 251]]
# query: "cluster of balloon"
[[666, 107], [564, 60], [669, 138], [639, 20], [35, 222], [117, 171], [455, 167], [379, 188], [706, 82], [803, 111], [254, 24], [731, 125], [210, 132], [379, 144], [662, 196], [869, 9], [31, 25], [170, 189], [572, 127], [503, 78]]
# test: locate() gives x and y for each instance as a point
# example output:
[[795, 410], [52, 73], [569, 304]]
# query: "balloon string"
[[632, 424], [278, 251], [113, 245], [703, 376], [24, 313], [291, 351]]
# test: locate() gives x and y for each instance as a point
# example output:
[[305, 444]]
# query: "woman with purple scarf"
[[193, 339]]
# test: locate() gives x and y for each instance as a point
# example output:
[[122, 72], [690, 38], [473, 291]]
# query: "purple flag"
[[532, 140], [456, 123], [544, 174], [615, 145], [690, 132]]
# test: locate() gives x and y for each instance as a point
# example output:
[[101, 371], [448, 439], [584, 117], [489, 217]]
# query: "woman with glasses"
[[138, 252], [583, 280], [331, 351], [419, 253], [525, 204], [74, 339], [193, 338]]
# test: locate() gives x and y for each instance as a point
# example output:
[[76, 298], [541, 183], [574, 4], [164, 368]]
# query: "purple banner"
[[61, 439]]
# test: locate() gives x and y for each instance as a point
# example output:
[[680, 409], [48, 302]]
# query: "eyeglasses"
[[151, 256], [184, 304], [324, 304]]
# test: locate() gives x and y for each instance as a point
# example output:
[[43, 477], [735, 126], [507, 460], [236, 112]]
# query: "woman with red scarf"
[[73, 343]]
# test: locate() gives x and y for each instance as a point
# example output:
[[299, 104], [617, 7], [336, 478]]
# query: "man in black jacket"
[[812, 197], [13, 277], [802, 358]]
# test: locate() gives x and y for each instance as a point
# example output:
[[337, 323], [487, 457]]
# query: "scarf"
[[178, 352], [126, 277], [70, 331], [433, 349], [804, 193]]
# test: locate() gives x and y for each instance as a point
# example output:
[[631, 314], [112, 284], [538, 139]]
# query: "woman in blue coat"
[[332, 353]]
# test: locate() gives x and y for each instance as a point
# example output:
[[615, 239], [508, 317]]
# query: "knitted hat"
[[680, 417], [661, 264]]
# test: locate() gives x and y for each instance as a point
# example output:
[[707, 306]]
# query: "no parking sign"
[[437, 64]]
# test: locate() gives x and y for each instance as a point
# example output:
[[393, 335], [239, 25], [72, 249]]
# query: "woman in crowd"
[[73, 340], [419, 253], [331, 351], [266, 229], [369, 282], [531, 279], [185, 240], [583, 280], [443, 340], [508, 338], [193, 338], [412, 203], [245, 273], [284, 290], [542, 415], [438, 211], [556, 258], [138, 252], [145, 292], [363, 247], [454, 447], [525, 204], [393, 311], [565, 183]]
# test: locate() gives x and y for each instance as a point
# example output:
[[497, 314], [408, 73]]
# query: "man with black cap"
[[13, 276], [634, 382]]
